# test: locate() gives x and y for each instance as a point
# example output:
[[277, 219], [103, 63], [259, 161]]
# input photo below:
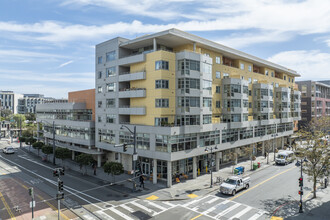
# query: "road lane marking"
[[242, 193], [157, 206], [143, 207], [12, 216], [120, 213], [239, 214], [213, 200], [226, 211], [196, 217]]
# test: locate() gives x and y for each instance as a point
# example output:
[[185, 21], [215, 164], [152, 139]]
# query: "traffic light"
[[301, 182], [60, 185], [300, 192], [124, 147], [55, 173], [31, 192], [62, 171]]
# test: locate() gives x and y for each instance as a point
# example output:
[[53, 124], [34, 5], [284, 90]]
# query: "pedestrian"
[[265, 155], [141, 181], [325, 182], [94, 167]]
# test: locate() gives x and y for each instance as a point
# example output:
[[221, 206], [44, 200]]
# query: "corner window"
[[161, 84], [242, 66], [99, 60], [217, 75], [217, 60], [110, 56], [161, 103], [161, 65], [111, 71]]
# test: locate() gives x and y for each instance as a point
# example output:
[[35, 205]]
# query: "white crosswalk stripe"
[[257, 215], [224, 212], [239, 214]]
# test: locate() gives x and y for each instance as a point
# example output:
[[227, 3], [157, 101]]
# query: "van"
[[284, 157]]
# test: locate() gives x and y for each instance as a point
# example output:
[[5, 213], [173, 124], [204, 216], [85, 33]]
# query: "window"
[[207, 119], [189, 101], [242, 66], [161, 84], [250, 68], [99, 75], [186, 65], [217, 75], [162, 103], [99, 89], [99, 104], [161, 65], [207, 102], [225, 75], [111, 56], [217, 104], [276, 85], [110, 103], [250, 104], [207, 85], [161, 121], [217, 60], [111, 119], [284, 78], [111, 71], [99, 119], [255, 80], [242, 77], [111, 87], [272, 74], [266, 72], [250, 80], [217, 89], [99, 60]]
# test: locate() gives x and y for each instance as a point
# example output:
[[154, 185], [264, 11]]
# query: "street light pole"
[[301, 188], [20, 132], [210, 162], [54, 143]]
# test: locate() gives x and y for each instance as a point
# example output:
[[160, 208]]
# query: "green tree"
[[84, 160], [17, 120], [30, 116], [315, 150], [62, 153], [38, 146], [5, 114], [114, 168], [46, 149], [22, 139]]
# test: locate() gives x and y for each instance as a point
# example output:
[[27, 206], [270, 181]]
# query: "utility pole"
[[20, 132], [54, 143], [210, 164], [31, 193], [301, 183]]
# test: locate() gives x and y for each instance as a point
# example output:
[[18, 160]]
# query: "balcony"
[[134, 110], [132, 93], [132, 59], [128, 76]]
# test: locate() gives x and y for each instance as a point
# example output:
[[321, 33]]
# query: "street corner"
[[276, 218], [192, 195], [152, 197]]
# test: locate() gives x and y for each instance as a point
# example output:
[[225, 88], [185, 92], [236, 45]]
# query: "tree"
[[30, 116], [22, 139], [5, 113], [38, 146], [17, 120], [46, 149], [62, 153], [114, 168], [84, 160], [316, 150]]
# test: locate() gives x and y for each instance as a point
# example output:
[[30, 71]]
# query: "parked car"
[[8, 150], [234, 184], [285, 157]]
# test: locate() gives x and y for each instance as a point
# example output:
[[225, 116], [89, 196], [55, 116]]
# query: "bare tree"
[[316, 150]]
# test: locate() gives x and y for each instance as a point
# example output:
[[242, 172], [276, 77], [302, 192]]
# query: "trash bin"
[[255, 166], [259, 165], [240, 169]]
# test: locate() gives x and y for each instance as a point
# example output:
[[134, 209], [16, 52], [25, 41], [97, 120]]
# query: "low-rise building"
[[28, 103], [9, 100]]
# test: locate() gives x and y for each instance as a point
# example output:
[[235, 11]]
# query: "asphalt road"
[[273, 190]]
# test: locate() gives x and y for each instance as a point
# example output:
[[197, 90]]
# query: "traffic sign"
[[34, 204]]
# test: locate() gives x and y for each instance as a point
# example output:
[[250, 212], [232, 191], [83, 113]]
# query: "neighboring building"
[[73, 121], [315, 100], [9, 100], [28, 103], [185, 95]]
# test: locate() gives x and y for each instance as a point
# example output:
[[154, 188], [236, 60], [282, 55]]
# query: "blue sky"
[[47, 46]]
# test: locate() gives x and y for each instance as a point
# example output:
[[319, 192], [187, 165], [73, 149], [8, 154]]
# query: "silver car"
[[8, 150]]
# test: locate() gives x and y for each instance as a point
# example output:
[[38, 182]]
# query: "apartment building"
[[9, 100], [28, 103], [315, 100], [186, 95], [73, 121]]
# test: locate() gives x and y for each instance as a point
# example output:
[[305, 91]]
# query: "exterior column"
[[73, 155], [194, 47], [194, 167], [263, 148], [169, 174], [154, 172], [236, 156], [155, 44], [217, 161], [282, 142], [99, 157]]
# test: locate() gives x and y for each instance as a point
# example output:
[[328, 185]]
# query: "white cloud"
[[311, 65], [65, 64]]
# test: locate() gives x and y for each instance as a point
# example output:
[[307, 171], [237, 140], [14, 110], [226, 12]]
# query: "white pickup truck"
[[234, 184]]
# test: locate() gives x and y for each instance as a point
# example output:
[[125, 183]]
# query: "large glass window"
[[188, 120], [162, 143], [229, 135], [111, 71], [161, 121], [207, 85], [111, 87], [110, 103], [246, 133], [207, 119], [207, 102], [106, 136], [111, 56], [189, 101], [161, 65], [183, 142], [209, 138], [111, 119], [185, 65]]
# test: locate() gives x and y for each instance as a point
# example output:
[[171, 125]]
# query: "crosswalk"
[[209, 206]]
